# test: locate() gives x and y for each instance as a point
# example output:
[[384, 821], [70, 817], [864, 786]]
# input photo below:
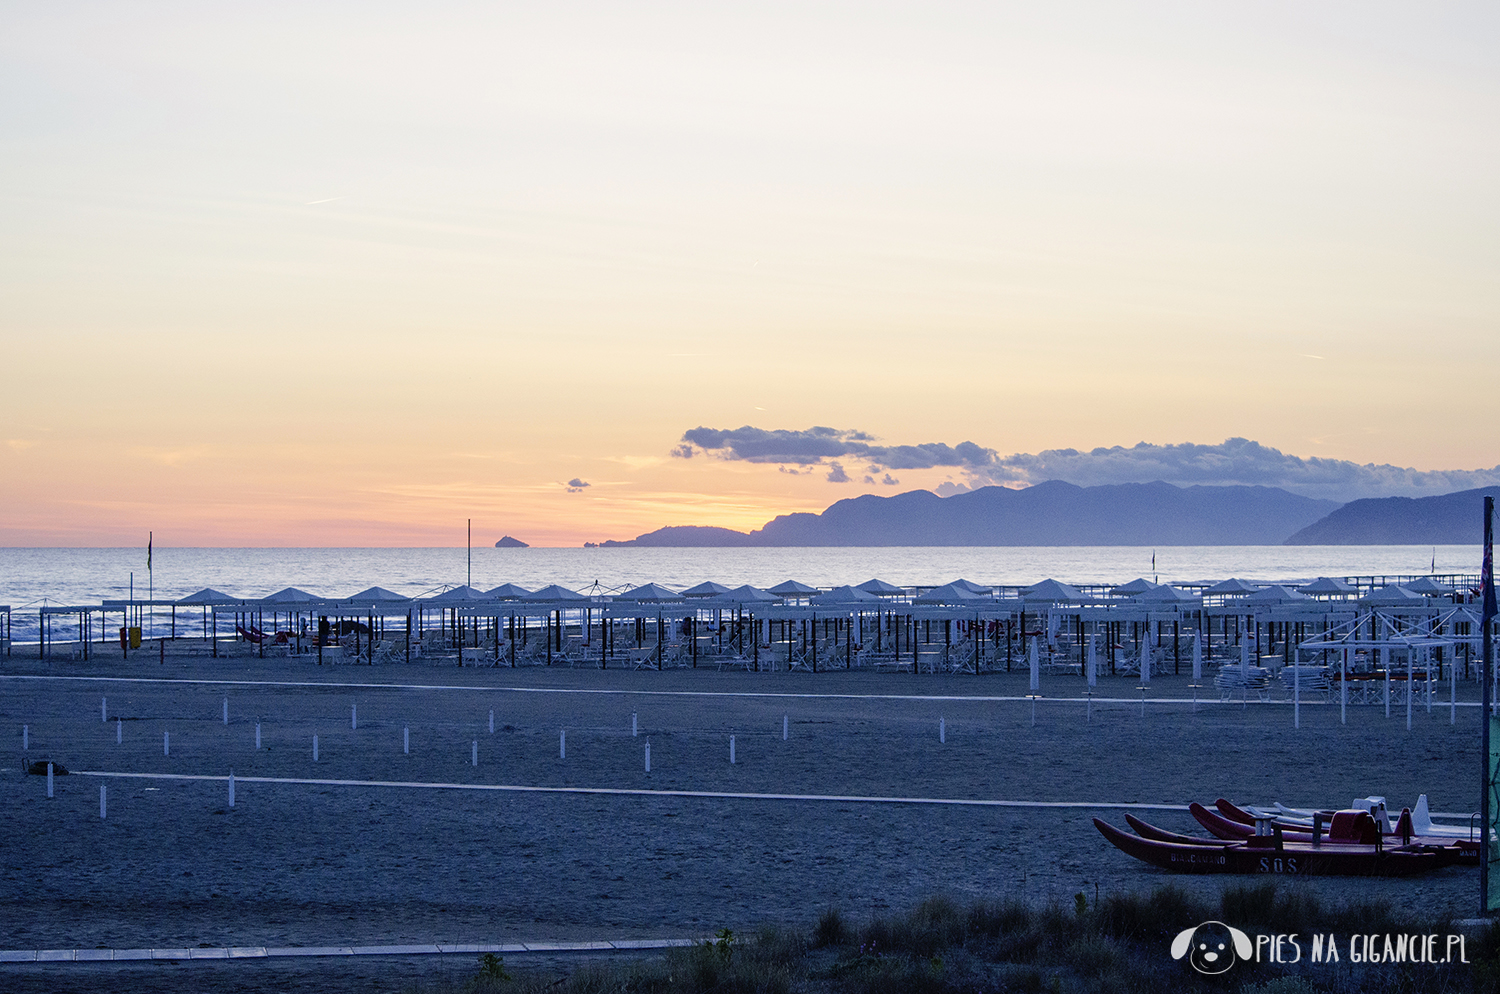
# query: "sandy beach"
[[291, 864]]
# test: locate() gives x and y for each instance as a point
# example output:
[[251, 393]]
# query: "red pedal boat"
[[1342, 854]]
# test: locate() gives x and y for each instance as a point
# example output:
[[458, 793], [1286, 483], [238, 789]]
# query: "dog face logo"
[[1212, 947]]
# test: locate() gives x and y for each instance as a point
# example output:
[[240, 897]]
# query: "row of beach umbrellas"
[[872, 592]]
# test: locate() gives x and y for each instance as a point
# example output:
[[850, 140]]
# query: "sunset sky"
[[352, 273]]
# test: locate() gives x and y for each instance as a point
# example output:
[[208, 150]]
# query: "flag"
[[1487, 574], [148, 552]]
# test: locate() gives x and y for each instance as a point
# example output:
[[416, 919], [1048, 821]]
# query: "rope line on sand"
[[975, 698], [201, 954], [643, 792]]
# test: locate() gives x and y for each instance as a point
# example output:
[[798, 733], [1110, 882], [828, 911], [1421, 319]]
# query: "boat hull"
[[1289, 859]]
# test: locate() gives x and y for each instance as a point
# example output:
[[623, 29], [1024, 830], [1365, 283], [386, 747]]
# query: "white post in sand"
[[406, 740], [226, 710], [315, 748], [1410, 673], [166, 743], [1036, 667], [231, 788], [104, 710], [1344, 686], [474, 753], [634, 728], [101, 801], [257, 736], [785, 728], [562, 744], [353, 716], [648, 755], [49, 779], [943, 730], [731, 750], [119, 731], [1385, 664], [1296, 696], [1197, 657], [492, 721]]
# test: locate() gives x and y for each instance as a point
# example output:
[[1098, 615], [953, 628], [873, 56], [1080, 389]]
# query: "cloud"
[[817, 445], [575, 485], [1235, 461]]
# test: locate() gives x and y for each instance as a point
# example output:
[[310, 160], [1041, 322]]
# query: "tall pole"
[[471, 552], [1487, 584]]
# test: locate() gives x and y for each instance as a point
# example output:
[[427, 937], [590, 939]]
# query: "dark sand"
[[324, 865]]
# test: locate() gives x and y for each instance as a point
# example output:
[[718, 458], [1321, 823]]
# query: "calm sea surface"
[[30, 577]]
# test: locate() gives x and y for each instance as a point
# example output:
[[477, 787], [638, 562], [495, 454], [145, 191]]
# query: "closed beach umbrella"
[[1146, 656], [1093, 666], [1197, 656], [1245, 659], [1035, 660]]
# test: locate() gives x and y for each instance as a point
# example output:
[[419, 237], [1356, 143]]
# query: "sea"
[[31, 577]]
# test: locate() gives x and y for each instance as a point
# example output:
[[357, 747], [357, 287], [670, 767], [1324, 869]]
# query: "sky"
[[281, 274]]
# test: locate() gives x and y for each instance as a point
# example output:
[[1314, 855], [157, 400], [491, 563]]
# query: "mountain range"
[[1058, 513]]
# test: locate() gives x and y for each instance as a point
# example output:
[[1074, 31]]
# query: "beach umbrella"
[[707, 588], [1197, 656], [1393, 596], [844, 595], [1093, 664], [1036, 667], [377, 595], [208, 595], [1232, 587], [1325, 586], [649, 593], [791, 588], [290, 595], [507, 592], [1164, 594], [744, 595], [457, 595], [1146, 656], [1245, 659], [1137, 586], [1276, 593], [880, 588], [949, 593], [552, 592], [1051, 590]]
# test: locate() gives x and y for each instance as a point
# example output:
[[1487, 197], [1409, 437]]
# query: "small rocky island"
[[511, 543]]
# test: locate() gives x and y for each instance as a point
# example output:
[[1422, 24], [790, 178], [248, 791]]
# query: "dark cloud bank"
[[1234, 462]]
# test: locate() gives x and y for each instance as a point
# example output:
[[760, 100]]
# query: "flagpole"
[[150, 580], [1487, 613]]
